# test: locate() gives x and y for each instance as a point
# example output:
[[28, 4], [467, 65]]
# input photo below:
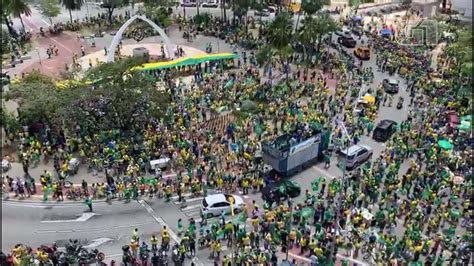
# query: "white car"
[[214, 205]]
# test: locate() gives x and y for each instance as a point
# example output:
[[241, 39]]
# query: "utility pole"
[[343, 165]]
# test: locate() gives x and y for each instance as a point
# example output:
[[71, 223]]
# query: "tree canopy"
[[50, 9], [110, 96]]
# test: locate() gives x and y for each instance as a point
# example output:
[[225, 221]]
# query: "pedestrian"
[[88, 202], [83, 50]]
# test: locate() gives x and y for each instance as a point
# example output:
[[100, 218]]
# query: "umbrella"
[[369, 99], [249, 106], [229, 84], [357, 18], [386, 32], [465, 125], [221, 109], [444, 144], [458, 180], [307, 212], [455, 213]]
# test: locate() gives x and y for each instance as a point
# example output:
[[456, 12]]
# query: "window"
[[361, 152], [221, 204]]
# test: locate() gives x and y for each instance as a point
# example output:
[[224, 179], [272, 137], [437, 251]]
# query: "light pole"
[[39, 56], [87, 8]]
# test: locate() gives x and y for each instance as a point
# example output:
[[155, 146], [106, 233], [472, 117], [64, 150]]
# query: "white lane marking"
[[352, 260], [62, 45], [45, 22], [97, 242], [193, 214], [114, 255], [35, 205], [184, 195], [189, 200], [324, 172], [84, 217], [100, 229], [191, 207], [159, 220]]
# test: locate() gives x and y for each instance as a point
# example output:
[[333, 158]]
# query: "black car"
[[347, 41], [390, 86], [281, 190], [358, 31], [384, 130]]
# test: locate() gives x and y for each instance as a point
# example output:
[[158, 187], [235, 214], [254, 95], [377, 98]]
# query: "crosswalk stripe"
[[189, 200], [190, 207]]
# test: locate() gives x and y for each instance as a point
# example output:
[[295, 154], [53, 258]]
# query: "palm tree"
[[309, 8], [241, 8], [280, 36], [18, 8], [5, 12], [72, 5]]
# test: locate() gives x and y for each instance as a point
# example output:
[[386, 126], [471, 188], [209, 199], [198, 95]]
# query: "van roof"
[[351, 150], [386, 123]]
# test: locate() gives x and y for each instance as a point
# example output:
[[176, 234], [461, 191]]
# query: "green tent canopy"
[[445, 145], [186, 61]]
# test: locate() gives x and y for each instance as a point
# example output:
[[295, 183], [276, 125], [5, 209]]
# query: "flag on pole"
[[231, 200]]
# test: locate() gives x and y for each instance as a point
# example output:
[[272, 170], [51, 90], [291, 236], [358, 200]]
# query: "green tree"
[[264, 56], [119, 98], [71, 5], [18, 8], [241, 8], [280, 37], [6, 42], [50, 9], [309, 8], [9, 122], [111, 5], [114, 97], [6, 12], [461, 51], [37, 97]]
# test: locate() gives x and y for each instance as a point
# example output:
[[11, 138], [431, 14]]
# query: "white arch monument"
[[118, 37]]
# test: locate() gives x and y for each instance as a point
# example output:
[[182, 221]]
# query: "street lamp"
[[39, 56]]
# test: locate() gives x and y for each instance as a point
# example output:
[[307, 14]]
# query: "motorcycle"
[[144, 255], [162, 257], [400, 103], [175, 256]]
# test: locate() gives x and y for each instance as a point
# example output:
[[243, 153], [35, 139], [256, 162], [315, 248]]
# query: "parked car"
[[188, 4], [210, 3], [344, 32], [384, 130], [348, 42], [73, 166], [390, 85], [355, 155], [363, 53], [262, 13], [214, 205], [281, 190]]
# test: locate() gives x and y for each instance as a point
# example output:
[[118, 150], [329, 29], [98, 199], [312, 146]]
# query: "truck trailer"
[[291, 153]]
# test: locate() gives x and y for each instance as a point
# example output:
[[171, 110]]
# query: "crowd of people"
[[409, 205]]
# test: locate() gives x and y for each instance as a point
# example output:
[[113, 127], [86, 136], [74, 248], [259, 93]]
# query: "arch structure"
[[118, 37]]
